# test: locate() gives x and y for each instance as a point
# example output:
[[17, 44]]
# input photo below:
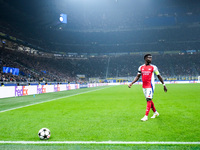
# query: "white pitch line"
[[51, 100], [95, 142]]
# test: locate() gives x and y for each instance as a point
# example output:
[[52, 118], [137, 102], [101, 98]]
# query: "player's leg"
[[148, 95], [145, 118], [156, 114], [148, 106], [152, 106]]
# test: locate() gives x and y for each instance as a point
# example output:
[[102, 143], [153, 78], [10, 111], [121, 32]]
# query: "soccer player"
[[147, 71]]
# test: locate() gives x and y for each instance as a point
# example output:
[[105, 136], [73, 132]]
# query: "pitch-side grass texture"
[[104, 114]]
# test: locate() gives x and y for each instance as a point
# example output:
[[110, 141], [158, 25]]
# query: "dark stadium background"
[[103, 40]]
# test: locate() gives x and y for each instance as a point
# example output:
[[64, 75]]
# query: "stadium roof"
[[98, 25]]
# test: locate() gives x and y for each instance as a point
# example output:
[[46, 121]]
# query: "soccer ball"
[[44, 134]]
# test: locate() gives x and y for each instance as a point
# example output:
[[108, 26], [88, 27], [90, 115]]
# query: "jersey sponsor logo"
[[146, 72]]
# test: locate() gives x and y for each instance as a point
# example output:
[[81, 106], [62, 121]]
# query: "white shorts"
[[148, 92]]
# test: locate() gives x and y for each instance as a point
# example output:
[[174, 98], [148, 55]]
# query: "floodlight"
[[63, 18]]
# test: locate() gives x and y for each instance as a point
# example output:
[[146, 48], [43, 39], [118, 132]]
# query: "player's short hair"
[[147, 55]]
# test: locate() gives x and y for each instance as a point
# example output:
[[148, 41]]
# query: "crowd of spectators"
[[35, 68], [32, 68], [169, 65]]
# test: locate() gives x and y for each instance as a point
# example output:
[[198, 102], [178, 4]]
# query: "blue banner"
[[14, 71]]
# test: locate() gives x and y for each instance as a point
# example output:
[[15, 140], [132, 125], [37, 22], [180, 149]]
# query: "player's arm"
[[161, 80], [135, 80]]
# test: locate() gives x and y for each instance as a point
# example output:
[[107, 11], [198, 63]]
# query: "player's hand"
[[129, 85], [165, 88]]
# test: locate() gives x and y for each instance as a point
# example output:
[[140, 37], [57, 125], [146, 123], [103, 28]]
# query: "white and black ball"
[[44, 134]]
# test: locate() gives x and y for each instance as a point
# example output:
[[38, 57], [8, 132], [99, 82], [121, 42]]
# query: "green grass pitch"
[[105, 114]]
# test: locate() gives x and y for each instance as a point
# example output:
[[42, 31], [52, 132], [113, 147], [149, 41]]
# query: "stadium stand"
[[39, 68], [99, 43]]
